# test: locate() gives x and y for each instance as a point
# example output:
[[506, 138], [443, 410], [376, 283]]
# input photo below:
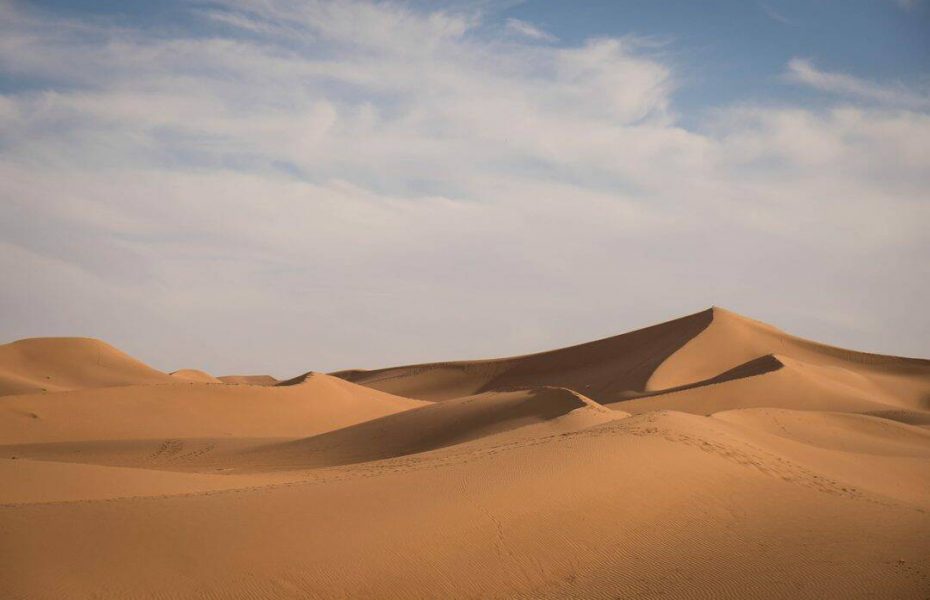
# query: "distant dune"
[[711, 456], [192, 410], [58, 364], [249, 379], [195, 375]]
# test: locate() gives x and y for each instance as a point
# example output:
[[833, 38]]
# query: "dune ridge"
[[434, 426], [705, 348], [59, 364], [711, 456], [195, 375], [193, 410]]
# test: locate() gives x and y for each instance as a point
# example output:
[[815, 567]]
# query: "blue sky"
[[280, 186], [732, 50]]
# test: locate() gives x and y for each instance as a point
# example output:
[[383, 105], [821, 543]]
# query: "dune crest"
[[59, 364], [195, 375], [596, 369], [707, 348], [433, 426], [193, 410], [732, 339]]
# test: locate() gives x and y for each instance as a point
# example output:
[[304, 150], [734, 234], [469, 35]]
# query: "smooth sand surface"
[[195, 375], [708, 457], [194, 410], [57, 364]]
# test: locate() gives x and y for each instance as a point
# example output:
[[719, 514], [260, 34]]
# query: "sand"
[[58, 364], [195, 375], [249, 379], [707, 457]]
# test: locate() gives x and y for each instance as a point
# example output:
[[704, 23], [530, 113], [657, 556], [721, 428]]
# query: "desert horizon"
[[707, 456]]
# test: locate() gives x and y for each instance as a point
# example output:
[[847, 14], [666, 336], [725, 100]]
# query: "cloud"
[[775, 15], [328, 185], [529, 30], [804, 72]]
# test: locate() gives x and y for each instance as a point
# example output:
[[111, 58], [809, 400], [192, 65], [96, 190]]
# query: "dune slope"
[[57, 364], [193, 410], [533, 411], [712, 347], [659, 505], [618, 363], [195, 375]]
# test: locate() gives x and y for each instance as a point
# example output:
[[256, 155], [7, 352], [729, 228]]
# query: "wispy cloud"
[[308, 169], [775, 15], [804, 72], [529, 30]]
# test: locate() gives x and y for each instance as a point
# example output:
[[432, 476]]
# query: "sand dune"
[[867, 453], [663, 504], [529, 412], [249, 379], [192, 410], [407, 430], [617, 364], [709, 347], [57, 364], [793, 385], [861, 434], [708, 457], [195, 375]]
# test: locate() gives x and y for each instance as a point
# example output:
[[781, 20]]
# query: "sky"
[[274, 186]]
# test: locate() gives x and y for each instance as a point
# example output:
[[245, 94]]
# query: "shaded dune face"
[[438, 425], [711, 456], [597, 369], [708, 348]]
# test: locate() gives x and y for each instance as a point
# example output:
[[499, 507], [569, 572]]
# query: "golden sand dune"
[[56, 364], [193, 410], [708, 457], [710, 347], [195, 375], [534, 411], [791, 384], [658, 505]]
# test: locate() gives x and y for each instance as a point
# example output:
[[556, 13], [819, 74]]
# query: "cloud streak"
[[804, 72], [775, 15], [328, 185], [529, 30]]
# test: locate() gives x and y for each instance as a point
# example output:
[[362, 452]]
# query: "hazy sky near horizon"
[[277, 186]]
